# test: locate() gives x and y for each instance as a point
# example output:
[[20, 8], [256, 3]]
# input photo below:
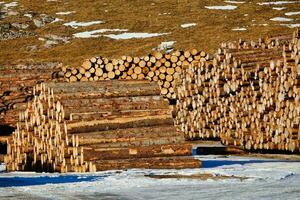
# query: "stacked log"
[[94, 126], [16, 85], [158, 67], [40, 141], [247, 96], [270, 101]]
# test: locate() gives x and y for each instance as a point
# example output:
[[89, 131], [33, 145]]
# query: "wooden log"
[[138, 152], [152, 163], [158, 55], [86, 65]]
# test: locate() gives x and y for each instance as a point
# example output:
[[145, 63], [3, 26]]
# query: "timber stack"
[[93, 126], [163, 68], [248, 96], [16, 85]]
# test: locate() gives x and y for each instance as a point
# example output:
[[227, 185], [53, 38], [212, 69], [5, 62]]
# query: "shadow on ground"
[[42, 180], [218, 163]]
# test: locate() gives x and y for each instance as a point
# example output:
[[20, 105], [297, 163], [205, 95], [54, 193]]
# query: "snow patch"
[[93, 34], [2, 167], [188, 25], [276, 3], [57, 20], [75, 24], [281, 19], [28, 15], [164, 13], [124, 36], [260, 24], [65, 13], [11, 4], [291, 25], [226, 7], [166, 46], [278, 8], [239, 29], [292, 13], [235, 2]]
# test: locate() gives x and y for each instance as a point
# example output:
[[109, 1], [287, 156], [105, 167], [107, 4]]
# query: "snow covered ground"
[[266, 179]]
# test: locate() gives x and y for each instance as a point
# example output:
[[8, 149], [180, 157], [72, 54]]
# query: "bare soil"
[[195, 176]]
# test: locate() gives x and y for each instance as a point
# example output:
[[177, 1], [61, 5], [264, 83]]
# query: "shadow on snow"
[[218, 163], [42, 180]]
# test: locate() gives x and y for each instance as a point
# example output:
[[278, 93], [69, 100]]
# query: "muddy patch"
[[203, 177]]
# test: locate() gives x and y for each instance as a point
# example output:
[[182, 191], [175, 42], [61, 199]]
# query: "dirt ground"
[[205, 176], [33, 31]]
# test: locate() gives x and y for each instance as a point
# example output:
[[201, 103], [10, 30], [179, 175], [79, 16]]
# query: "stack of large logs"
[[93, 126], [248, 95], [159, 67], [16, 85]]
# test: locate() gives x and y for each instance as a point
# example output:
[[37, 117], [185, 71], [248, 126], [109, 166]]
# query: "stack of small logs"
[[247, 96], [93, 126], [163, 68], [41, 142], [16, 85]]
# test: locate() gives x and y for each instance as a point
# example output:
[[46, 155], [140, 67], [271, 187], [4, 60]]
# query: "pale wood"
[[86, 65]]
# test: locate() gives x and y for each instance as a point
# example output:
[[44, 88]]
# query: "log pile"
[[40, 141], [158, 67], [247, 96], [16, 85], [93, 126]]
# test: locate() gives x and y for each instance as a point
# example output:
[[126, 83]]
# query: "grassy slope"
[[213, 27]]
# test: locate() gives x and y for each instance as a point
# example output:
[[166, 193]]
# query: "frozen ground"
[[266, 179]]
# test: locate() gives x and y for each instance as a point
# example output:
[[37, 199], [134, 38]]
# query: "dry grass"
[[213, 27]]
